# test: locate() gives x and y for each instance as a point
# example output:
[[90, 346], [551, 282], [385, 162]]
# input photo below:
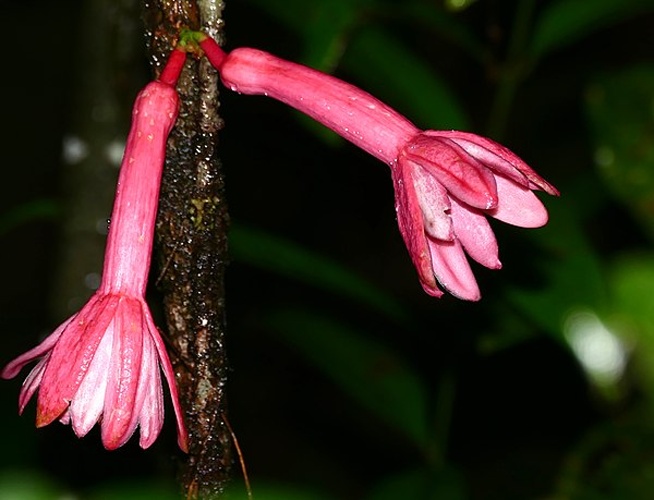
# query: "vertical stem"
[[192, 245]]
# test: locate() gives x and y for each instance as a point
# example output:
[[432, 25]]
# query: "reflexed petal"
[[462, 175], [88, 402], [475, 234], [31, 383], [452, 269], [124, 370], [518, 206], [169, 374], [410, 221], [434, 202], [15, 366]]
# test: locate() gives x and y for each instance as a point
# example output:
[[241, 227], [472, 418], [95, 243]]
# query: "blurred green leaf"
[[266, 491], [632, 286], [421, 484], [442, 23], [373, 375], [28, 485], [566, 21], [612, 462], [393, 72], [621, 116], [41, 209], [275, 254], [571, 274], [129, 490]]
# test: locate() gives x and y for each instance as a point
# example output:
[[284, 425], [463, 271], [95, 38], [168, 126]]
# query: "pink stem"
[[173, 68]]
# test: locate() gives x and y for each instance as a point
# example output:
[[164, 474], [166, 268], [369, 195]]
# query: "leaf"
[[393, 72], [268, 491], [619, 110], [23, 485], [632, 286], [275, 254], [423, 484], [566, 21], [373, 375]]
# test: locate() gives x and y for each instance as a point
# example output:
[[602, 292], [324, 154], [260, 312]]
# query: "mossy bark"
[[192, 244]]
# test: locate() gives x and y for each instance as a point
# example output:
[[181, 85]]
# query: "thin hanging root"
[[241, 459]]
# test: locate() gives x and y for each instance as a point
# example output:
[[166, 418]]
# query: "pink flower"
[[445, 182], [104, 363]]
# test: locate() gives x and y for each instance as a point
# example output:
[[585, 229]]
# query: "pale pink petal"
[[31, 383], [125, 365], [410, 222], [150, 391], [461, 174], [169, 374], [452, 269], [518, 206], [434, 202], [88, 403], [475, 234]]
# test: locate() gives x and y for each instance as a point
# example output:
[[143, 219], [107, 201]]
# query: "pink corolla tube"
[[446, 182], [104, 363]]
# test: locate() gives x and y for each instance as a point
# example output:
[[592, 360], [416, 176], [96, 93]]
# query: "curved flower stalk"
[[446, 182], [104, 363]]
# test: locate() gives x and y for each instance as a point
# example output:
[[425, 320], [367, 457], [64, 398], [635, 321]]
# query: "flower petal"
[[518, 206], [461, 174], [499, 158], [169, 374], [124, 369], [150, 392], [88, 402], [411, 224], [434, 202], [452, 269], [71, 357], [475, 234], [14, 367]]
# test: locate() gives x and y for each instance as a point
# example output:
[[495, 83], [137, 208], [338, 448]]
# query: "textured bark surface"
[[192, 245]]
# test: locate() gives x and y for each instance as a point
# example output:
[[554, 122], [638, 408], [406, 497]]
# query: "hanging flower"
[[104, 363], [446, 182]]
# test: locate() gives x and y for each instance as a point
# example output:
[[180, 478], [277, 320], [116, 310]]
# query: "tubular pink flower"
[[446, 182], [104, 363]]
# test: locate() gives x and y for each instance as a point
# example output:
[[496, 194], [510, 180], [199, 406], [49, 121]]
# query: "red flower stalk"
[[104, 363], [445, 182]]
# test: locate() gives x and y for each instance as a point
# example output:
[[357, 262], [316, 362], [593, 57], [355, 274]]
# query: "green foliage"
[[563, 22]]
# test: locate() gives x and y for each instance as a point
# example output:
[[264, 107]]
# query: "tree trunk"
[[192, 245]]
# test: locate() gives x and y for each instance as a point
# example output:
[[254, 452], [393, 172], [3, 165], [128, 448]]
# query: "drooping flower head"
[[446, 182], [104, 363]]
